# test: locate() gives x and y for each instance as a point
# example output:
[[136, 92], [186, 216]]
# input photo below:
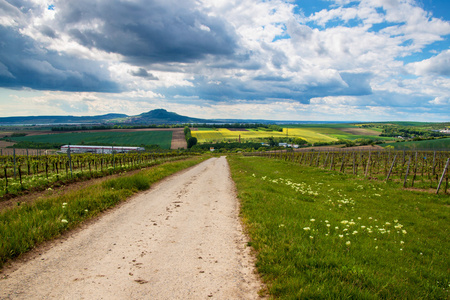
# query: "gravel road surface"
[[182, 239]]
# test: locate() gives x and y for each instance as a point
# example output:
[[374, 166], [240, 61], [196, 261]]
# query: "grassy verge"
[[326, 235], [24, 227]]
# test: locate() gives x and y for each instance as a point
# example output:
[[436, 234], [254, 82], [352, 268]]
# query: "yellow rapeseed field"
[[218, 135]]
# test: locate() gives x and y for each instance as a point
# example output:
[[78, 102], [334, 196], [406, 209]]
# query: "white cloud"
[[239, 52], [436, 65]]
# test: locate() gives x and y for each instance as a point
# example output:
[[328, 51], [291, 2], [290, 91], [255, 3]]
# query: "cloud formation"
[[390, 54]]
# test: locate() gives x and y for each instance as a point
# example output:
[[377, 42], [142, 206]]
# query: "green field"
[[437, 144], [320, 234], [136, 138]]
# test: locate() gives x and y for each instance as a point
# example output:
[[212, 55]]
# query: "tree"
[[192, 141]]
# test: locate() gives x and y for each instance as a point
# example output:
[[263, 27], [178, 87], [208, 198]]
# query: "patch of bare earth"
[[178, 139], [182, 239], [360, 131]]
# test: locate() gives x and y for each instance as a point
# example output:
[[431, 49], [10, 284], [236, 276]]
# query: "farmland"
[[161, 138], [323, 234], [323, 133]]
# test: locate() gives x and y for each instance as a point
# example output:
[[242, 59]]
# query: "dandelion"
[[348, 243]]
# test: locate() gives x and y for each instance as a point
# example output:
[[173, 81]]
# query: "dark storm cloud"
[[23, 63], [273, 87], [47, 31], [141, 72], [146, 32]]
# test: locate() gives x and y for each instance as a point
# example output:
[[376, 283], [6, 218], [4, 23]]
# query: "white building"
[[99, 149]]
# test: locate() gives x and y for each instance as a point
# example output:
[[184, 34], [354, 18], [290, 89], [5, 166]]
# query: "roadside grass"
[[325, 235], [24, 227]]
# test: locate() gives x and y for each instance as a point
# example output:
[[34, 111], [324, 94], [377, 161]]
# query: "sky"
[[302, 60]]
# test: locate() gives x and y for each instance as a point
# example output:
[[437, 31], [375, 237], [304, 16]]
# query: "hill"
[[157, 116], [40, 120], [162, 116]]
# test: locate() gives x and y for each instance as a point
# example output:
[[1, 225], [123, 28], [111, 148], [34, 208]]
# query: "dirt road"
[[182, 239]]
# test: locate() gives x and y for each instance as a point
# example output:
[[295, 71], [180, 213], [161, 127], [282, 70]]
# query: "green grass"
[[27, 225], [161, 138], [437, 144], [326, 235]]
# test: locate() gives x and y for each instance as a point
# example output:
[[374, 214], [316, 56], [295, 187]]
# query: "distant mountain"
[[162, 116], [156, 116], [39, 120]]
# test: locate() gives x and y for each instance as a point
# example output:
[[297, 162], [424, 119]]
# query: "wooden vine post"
[[368, 165], [443, 175], [407, 171]]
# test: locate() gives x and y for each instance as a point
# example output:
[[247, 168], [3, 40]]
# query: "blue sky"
[[342, 60]]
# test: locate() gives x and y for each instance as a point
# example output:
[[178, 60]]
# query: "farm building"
[[99, 149]]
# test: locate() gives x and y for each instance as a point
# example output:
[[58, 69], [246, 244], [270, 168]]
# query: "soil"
[[360, 131], [182, 239]]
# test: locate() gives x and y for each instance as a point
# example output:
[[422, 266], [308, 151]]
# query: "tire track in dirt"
[[182, 239]]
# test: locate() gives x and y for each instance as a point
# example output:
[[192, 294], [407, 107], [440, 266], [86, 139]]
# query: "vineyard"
[[33, 172], [410, 169]]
